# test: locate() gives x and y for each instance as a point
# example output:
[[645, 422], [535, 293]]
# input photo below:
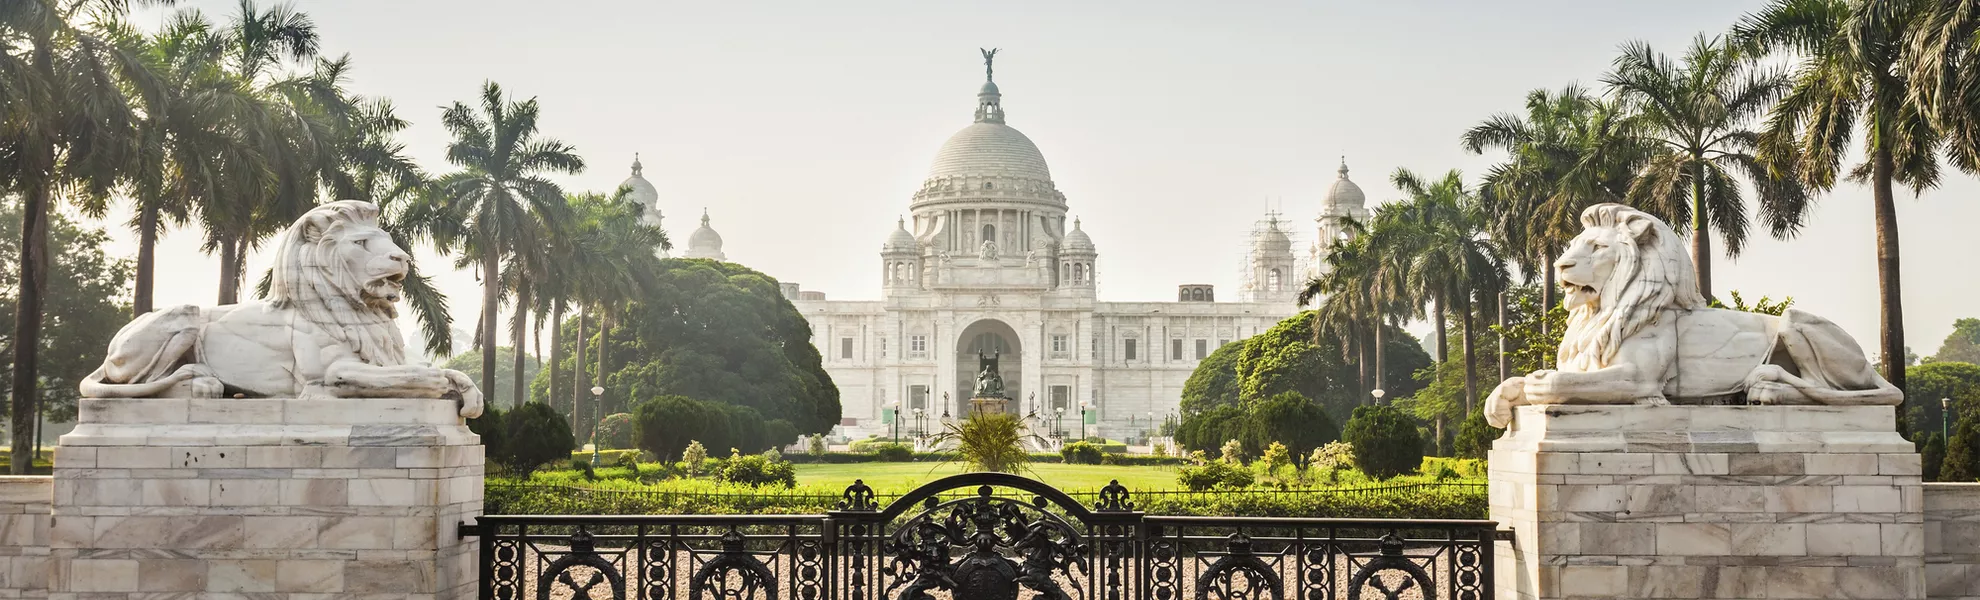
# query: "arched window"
[[989, 233], [986, 185], [1272, 280]]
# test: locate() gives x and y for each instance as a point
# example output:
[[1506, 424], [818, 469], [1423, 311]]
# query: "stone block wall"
[[24, 536], [1952, 541], [268, 498], [1708, 502]]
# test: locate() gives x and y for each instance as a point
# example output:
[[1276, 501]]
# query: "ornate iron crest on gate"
[[980, 536]]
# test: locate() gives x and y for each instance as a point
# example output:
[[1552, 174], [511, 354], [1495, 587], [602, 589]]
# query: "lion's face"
[[378, 265], [1584, 269]]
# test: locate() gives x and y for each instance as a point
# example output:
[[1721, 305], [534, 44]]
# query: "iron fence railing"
[[781, 497], [980, 536]]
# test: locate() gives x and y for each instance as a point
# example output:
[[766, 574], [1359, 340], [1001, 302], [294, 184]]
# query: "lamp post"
[[1084, 408], [1150, 433], [894, 424], [920, 430], [598, 416], [1377, 393], [1058, 431], [1945, 419]]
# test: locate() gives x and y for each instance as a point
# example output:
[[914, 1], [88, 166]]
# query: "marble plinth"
[[265, 498], [1708, 502]]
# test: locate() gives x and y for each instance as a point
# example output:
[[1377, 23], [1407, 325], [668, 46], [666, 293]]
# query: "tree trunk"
[[604, 333], [1380, 349], [27, 323], [1888, 287], [556, 352], [230, 272], [521, 331], [146, 258], [1547, 299], [1505, 370], [1470, 356], [577, 371], [491, 298], [1443, 343], [1361, 366], [1701, 236]]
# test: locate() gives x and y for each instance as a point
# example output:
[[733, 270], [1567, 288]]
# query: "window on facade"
[[1221, 342], [1175, 349], [883, 347], [917, 345], [1202, 349], [1062, 397], [1061, 344], [1272, 280], [845, 348], [918, 397], [1127, 348], [989, 233]]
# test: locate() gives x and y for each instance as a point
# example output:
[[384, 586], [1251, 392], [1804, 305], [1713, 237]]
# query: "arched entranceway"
[[987, 336]]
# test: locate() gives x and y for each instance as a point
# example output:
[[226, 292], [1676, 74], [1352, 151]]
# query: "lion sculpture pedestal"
[[1708, 502]]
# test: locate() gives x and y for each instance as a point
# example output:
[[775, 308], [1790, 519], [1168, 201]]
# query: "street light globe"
[[597, 390], [1060, 410], [896, 405], [1377, 393]]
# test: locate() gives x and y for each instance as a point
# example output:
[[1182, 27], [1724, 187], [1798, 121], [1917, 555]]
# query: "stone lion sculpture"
[[328, 328], [1639, 333]]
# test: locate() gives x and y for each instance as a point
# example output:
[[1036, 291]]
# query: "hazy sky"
[[804, 127]]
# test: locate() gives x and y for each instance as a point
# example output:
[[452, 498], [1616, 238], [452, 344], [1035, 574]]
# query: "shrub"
[[989, 442], [615, 431], [493, 431], [815, 446], [1081, 453], [1962, 462], [1385, 440], [869, 444], [1475, 436], [1333, 456], [666, 424], [1276, 457], [536, 435], [1214, 475], [757, 470], [1934, 456], [1289, 419], [1233, 452], [891, 452], [693, 458], [1160, 450]]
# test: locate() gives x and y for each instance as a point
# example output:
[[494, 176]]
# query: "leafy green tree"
[[1290, 420], [615, 432], [1933, 381], [84, 309], [537, 436], [1962, 345], [1475, 437], [1215, 380], [1765, 305], [503, 396], [694, 455], [723, 334], [1385, 441], [1697, 110], [1962, 462], [1933, 457], [1851, 76], [1275, 459], [502, 193], [665, 423], [494, 432]]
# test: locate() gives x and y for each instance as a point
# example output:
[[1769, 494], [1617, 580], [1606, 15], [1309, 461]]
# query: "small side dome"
[[704, 242], [900, 239], [1345, 193], [641, 190], [1076, 241], [1272, 239]]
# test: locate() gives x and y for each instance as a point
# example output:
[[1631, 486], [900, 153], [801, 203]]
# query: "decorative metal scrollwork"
[[734, 574], [1114, 498], [1469, 577], [990, 530], [1221, 580], [1391, 559], [1163, 571], [507, 584], [858, 496], [584, 553]]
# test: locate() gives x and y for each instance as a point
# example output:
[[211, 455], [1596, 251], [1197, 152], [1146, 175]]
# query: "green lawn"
[[900, 477]]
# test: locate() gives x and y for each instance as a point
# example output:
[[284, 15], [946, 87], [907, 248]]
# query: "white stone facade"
[[989, 260]]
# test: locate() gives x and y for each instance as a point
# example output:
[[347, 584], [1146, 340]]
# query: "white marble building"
[[990, 261]]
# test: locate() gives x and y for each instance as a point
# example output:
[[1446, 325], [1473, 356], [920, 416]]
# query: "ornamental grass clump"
[[988, 442]]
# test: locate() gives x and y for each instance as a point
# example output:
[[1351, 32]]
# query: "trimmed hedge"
[[847, 458]]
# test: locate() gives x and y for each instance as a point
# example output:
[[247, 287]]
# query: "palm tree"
[[1944, 74], [1851, 67], [1696, 114], [501, 191], [66, 125], [1451, 260]]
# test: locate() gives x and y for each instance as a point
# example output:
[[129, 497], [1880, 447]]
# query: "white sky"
[[804, 127]]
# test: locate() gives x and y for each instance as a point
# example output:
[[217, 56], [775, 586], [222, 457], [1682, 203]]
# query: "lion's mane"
[[1652, 274], [311, 279]]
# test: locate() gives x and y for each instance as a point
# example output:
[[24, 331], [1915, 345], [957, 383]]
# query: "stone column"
[[1708, 502], [265, 498]]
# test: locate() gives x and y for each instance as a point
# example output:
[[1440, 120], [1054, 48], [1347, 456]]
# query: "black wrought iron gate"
[[980, 536]]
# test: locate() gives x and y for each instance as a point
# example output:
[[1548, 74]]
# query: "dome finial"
[[989, 57], [989, 106], [704, 216], [1344, 166], [636, 167]]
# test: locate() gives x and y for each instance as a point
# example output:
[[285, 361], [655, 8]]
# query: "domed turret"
[[900, 240], [1271, 239], [1344, 193], [1076, 241], [1076, 257], [704, 242], [642, 191]]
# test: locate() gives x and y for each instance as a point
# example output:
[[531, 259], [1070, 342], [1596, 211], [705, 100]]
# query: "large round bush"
[[494, 432], [1080, 453], [1385, 441], [615, 432], [537, 436]]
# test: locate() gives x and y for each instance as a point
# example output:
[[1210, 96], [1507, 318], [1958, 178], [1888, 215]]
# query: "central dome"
[[990, 149]]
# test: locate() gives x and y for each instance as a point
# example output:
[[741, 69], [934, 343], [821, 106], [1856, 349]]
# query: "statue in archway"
[[989, 383]]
